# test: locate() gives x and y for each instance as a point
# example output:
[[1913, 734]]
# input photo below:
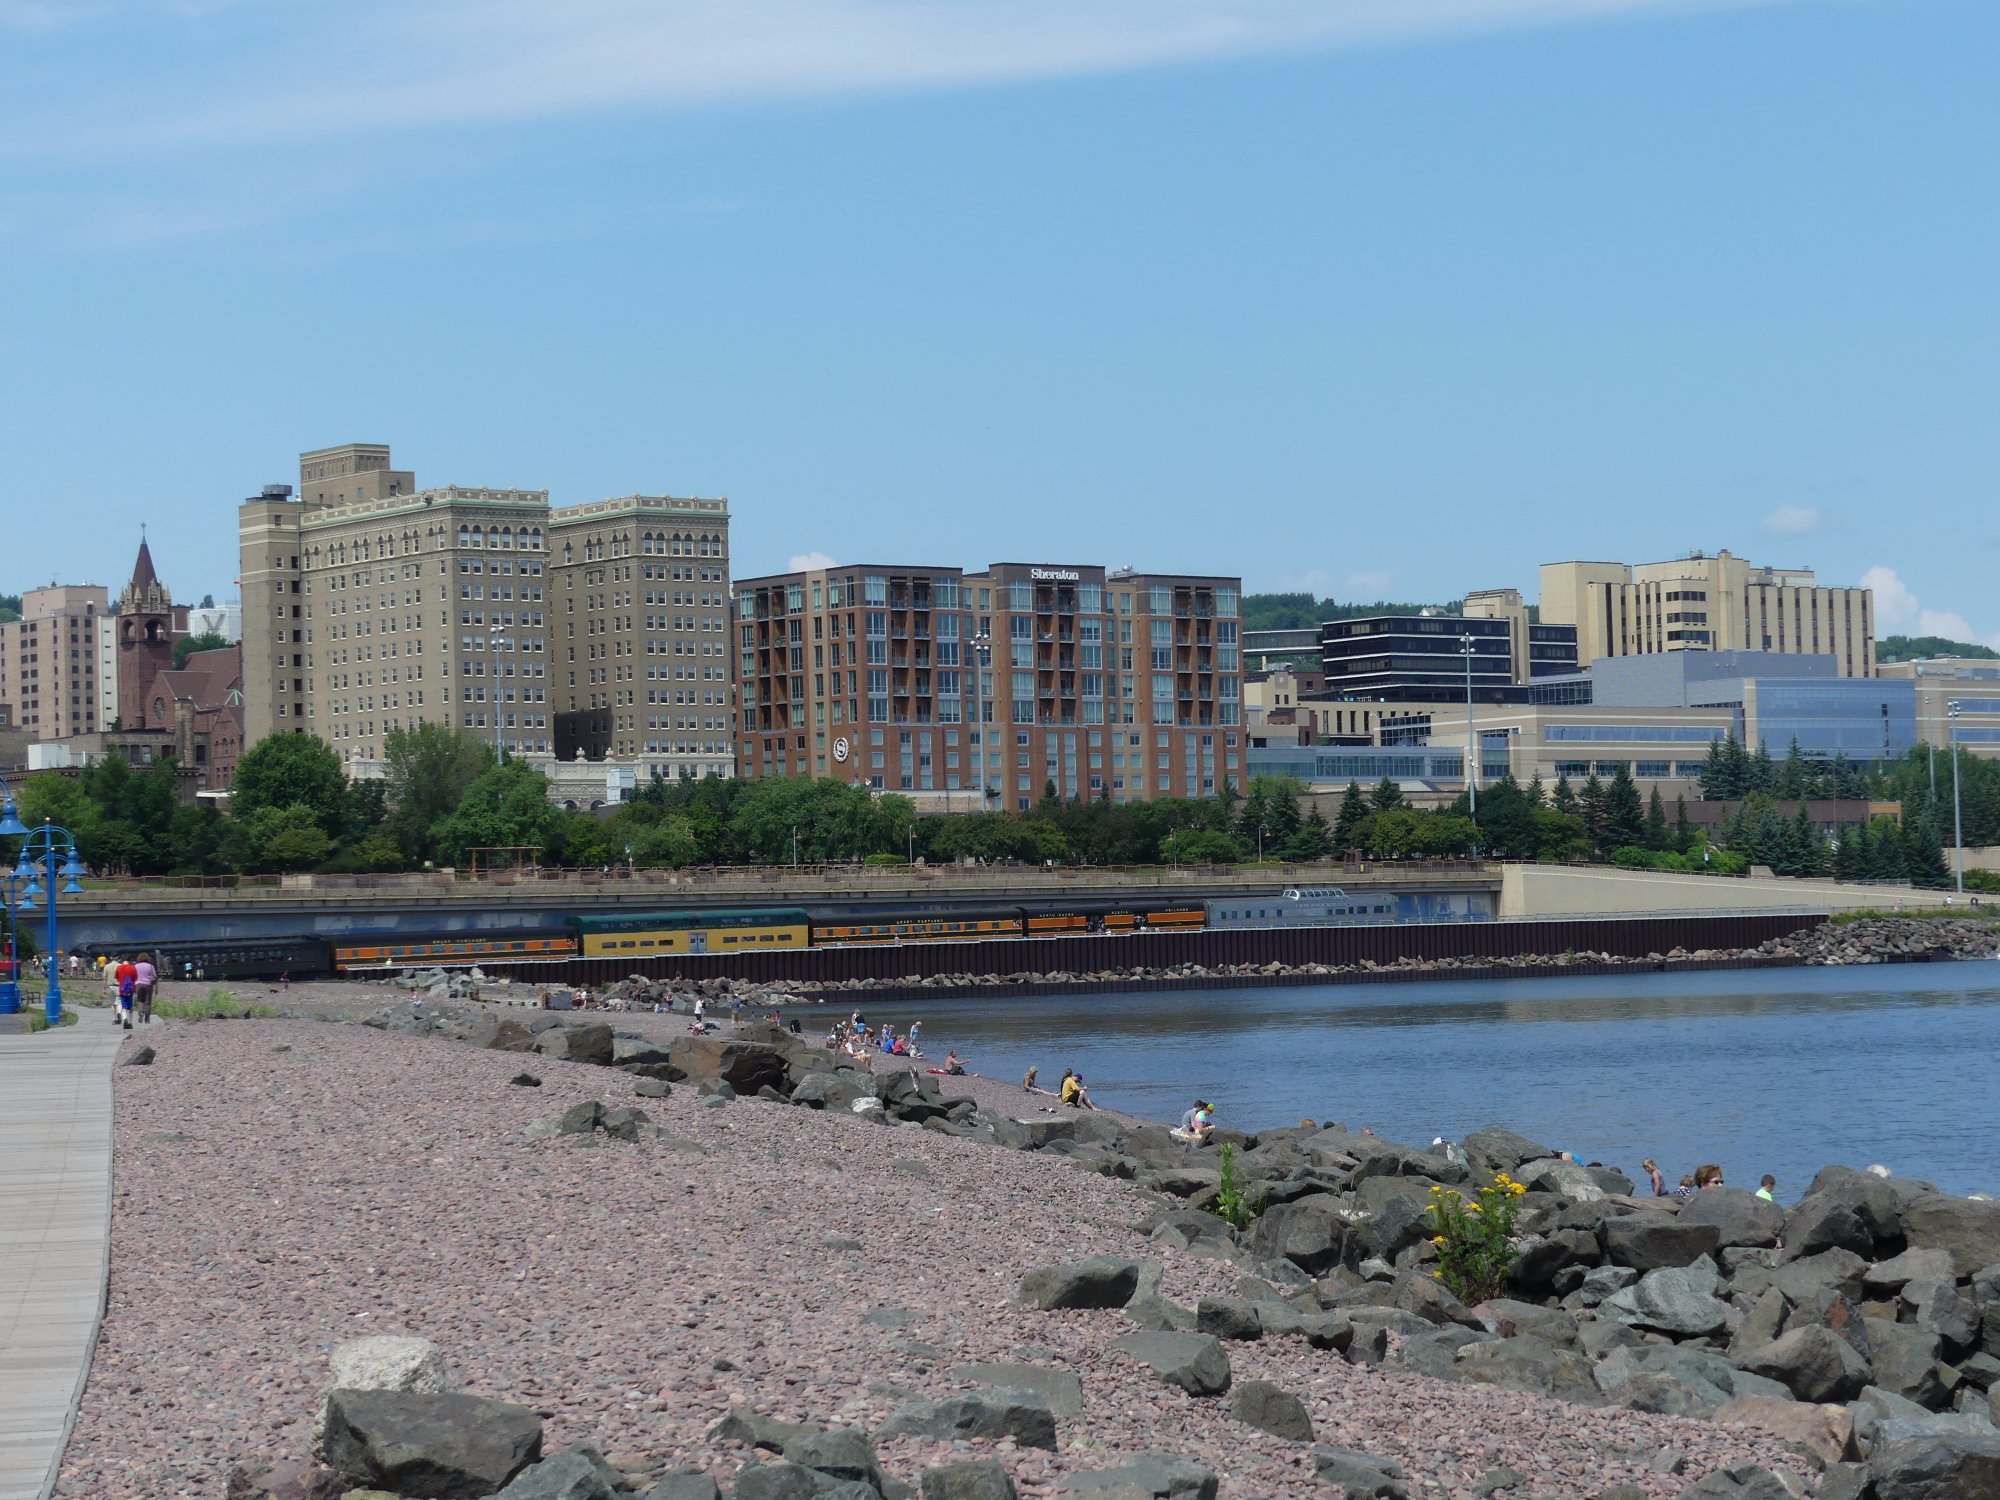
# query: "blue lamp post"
[[11, 826], [40, 850]]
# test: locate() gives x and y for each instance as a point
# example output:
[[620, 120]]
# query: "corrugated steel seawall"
[[1633, 937]]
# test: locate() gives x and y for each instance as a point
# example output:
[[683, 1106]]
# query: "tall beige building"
[[642, 583], [49, 662], [370, 604], [1708, 602]]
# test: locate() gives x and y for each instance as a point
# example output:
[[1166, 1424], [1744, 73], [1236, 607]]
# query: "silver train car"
[[1331, 906]]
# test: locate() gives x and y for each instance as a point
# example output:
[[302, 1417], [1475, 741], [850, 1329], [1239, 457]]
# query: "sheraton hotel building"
[[967, 690]]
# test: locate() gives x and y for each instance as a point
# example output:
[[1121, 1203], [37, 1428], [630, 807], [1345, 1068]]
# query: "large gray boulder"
[[1956, 1466], [1360, 1476], [1740, 1217], [1193, 1361], [1739, 1482], [1889, 1277], [1934, 1305], [1676, 1300], [1839, 1270], [1650, 1242], [444, 1446], [1905, 1360], [1097, 1281], [1394, 1216], [1712, 1379], [1309, 1233], [575, 1474], [1159, 1476], [383, 1362], [981, 1479], [1527, 1363], [1966, 1229], [1563, 1178], [688, 1484], [1493, 1148], [1021, 1415], [1062, 1391], [1271, 1408], [637, 1049], [579, 1041], [1814, 1364], [1826, 1222], [843, 1455], [745, 1066]]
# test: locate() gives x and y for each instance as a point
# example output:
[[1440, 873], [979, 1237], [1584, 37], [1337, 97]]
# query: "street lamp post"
[[1471, 741], [40, 850], [981, 644], [1957, 817], [11, 826]]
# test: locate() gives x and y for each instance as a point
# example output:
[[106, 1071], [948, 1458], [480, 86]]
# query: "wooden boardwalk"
[[55, 1221]]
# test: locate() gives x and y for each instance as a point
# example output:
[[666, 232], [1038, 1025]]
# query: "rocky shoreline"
[[1846, 1347]]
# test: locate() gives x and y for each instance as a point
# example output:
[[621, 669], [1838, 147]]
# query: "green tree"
[[1353, 809], [187, 645], [427, 769], [507, 806], [1658, 835], [1794, 780], [1386, 797], [1203, 846], [1564, 799], [282, 839], [1624, 816], [1313, 840], [1270, 815], [1924, 856], [1683, 829], [291, 770], [1590, 806]]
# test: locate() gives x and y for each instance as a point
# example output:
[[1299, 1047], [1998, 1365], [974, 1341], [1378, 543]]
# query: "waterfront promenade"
[[55, 1206]]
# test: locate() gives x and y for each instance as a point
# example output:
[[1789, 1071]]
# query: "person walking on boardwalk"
[[144, 979]]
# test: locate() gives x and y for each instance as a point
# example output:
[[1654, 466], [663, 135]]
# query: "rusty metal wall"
[[1633, 937]]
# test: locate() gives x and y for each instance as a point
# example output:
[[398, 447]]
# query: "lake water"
[[1777, 1070]]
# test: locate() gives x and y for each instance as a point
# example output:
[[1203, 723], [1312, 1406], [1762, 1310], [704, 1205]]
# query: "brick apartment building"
[[937, 682]]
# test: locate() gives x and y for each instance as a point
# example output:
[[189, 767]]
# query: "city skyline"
[[1395, 306]]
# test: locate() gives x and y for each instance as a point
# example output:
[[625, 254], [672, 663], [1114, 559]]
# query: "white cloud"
[[1898, 611], [309, 72], [805, 562], [1794, 520]]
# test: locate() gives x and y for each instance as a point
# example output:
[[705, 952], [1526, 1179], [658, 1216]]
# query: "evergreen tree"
[[1564, 799], [1714, 778], [1885, 854], [1736, 768], [1763, 775], [1353, 808], [1808, 850], [1850, 853], [1386, 797], [1924, 855], [1683, 829], [1313, 839], [1794, 781], [1591, 806], [1624, 815], [1657, 834], [1534, 793]]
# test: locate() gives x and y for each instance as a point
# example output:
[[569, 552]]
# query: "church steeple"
[[143, 575]]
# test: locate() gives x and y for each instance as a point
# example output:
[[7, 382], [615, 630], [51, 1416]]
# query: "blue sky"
[[1363, 296]]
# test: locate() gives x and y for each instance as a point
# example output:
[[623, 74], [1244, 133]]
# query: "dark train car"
[[300, 957]]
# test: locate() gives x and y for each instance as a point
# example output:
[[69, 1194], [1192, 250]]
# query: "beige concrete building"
[[51, 676], [642, 674], [370, 604], [1709, 602]]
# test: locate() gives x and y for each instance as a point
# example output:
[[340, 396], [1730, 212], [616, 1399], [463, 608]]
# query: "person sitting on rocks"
[[1198, 1124], [1707, 1175], [952, 1065], [1686, 1190], [1653, 1175], [1073, 1092]]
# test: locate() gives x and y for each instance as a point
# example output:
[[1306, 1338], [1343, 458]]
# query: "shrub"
[[216, 1005], [1229, 1204], [1475, 1238]]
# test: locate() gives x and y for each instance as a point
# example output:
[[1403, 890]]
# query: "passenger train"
[[637, 935]]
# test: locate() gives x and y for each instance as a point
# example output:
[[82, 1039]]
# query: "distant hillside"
[[1302, 611], [1916, 647], [10, 607]]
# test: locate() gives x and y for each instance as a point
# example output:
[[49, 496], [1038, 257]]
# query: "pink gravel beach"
[[281, 1186]]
